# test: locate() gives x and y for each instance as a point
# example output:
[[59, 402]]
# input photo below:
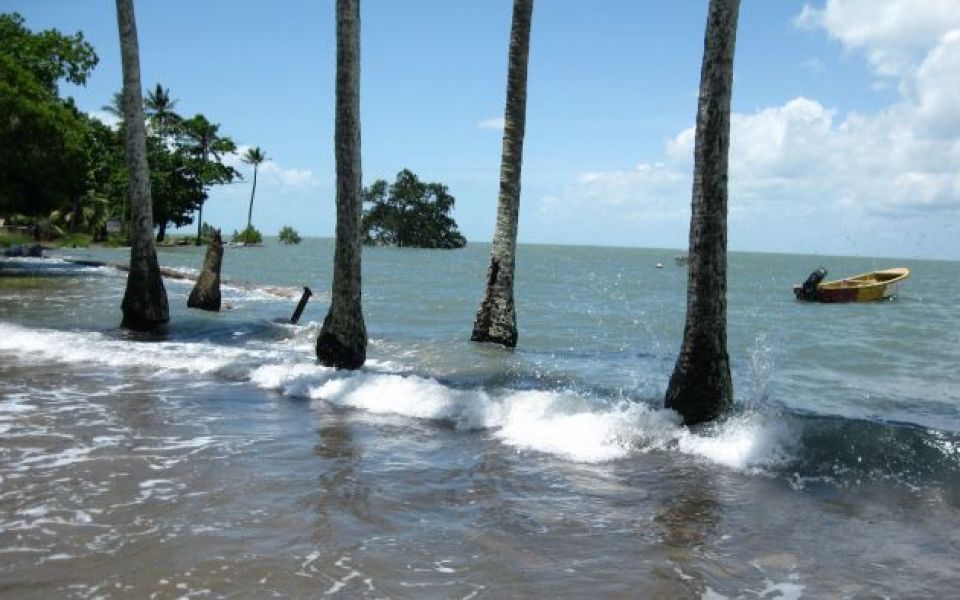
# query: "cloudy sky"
[[846, 125]]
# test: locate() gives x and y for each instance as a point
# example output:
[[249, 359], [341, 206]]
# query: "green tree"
[[176, 173], [176, 185], [49, 56], [160, 110], [107, 175], [203, 141], [410, 213], [175, 192], [248, 237], [145, 299], [496, 319], [255, 157], [342, 342], [289, 235], [43, 157], [115, 108], [700, 388]]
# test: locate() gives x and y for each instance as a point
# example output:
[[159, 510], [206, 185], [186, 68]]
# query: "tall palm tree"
[[496, 319], [160, 109], [145, 299], [163, 121], [342, 342], [255, 157], [700, 388], [206, 143], [115, 108]]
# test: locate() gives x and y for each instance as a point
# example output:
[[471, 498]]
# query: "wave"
[[99, 348], [565, 423], [574, 424]]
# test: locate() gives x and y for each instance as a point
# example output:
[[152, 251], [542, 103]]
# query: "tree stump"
[[206, 293]]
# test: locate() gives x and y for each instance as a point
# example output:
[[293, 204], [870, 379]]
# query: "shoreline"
[[278, 291]]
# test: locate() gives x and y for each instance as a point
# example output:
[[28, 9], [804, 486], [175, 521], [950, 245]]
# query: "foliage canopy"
[[65, 169], [410, 213], [289, 235], [43, 157]]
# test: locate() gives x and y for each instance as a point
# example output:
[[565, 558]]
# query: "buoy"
[[659, 265]]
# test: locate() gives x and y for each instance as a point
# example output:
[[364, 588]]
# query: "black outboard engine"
[[809, 289]]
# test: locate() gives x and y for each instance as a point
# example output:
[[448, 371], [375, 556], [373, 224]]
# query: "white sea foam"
[[751, 440], [92, 347], [559, 422], [564, 423], [408, 395]]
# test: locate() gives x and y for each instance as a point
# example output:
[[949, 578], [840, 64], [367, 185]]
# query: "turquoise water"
[[224, 457]]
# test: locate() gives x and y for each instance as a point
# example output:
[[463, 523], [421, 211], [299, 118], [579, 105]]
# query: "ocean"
[[219, 460]]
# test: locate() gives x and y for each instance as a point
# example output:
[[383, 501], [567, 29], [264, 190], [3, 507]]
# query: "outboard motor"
[[809, 289]]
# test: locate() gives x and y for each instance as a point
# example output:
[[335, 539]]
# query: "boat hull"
[[868, 287]]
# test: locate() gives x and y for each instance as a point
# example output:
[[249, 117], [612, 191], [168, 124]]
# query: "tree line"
[[66, 169], [700, 387]]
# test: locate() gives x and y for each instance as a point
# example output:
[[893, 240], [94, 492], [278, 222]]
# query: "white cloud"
[[937, 91], [491, 123], [892, 33], [271, 172], [803, 160], [288, 177], [108, 119]]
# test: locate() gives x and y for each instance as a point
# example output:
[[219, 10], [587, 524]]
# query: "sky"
[[845, 127]]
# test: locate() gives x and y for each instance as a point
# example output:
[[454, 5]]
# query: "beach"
[[219, 459]]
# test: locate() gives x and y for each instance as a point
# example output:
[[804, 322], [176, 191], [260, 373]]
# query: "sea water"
[[219, 459]]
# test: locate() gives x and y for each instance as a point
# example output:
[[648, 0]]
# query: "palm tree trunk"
[[203, 185], [700, 388], [342, 342], [196, 242], [145, 299], [496, 319], [253, 192], [75, 219]]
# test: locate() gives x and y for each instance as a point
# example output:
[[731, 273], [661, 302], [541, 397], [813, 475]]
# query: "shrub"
[[14, 239], [75, 240], [289, 235], [116, 240], [250, 235]]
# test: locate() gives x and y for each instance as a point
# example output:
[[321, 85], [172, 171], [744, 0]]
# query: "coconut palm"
[[206, 143], [145, 299], [159, 108], [700, 388], [342, 342], [255, 157], [115, 108], [496, 319]]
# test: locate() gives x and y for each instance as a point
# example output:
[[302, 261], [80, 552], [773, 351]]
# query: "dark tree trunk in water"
[[700, 388], [496, 319], [161, 231], [75, 219], [145, 299], [206, 293], [199, 224], [252, 194], [342, 342]]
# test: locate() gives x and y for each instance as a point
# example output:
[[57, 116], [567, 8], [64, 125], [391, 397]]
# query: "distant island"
[[410, 214]]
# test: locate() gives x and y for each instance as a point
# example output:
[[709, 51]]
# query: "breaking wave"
[[574, 425]]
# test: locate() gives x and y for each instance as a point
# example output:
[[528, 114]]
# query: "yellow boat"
[[875, 285]]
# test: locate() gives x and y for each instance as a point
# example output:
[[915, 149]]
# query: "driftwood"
[[206, 293]]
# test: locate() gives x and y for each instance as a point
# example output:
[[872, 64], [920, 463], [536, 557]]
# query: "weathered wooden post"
[[301, 305], [206, 293]]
